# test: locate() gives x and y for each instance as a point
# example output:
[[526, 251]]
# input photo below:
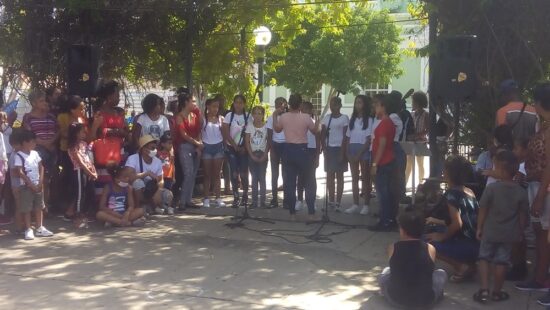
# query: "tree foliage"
[[362, 48], [512, 43]]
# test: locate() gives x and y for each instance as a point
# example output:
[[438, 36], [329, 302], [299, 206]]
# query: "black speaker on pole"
[[82, 70], [454, 67]]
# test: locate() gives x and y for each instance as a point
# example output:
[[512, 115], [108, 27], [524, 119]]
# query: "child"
[[502, 216], [83, 172], [213, 153], [334, 127], [357, 140], [116, 206], [11, 197], [313, 150], [44, 126], [166, 155], [411, 281], [28, 165], [258, 148]]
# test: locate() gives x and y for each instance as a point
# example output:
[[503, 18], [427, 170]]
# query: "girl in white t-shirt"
[[213, 152], [233, 128], [258, 147], [358, 138], [334, 127], [151, 121]]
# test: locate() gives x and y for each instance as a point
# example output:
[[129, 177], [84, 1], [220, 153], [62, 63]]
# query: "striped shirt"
[[522, 128], [45, 128]]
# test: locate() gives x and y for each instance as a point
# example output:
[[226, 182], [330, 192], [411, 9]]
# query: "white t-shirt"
[[358, 134], [7, 134], [278, 137], [154, 128], [236, 126], [155, 166], [212, 132], [336, 130], [31, 165], [258, 137], [311, 139], [398, 125]]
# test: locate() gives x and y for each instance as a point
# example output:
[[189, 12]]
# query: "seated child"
[[166, 156], [503, 212], [116, 206], [30, 171], [411, 281]]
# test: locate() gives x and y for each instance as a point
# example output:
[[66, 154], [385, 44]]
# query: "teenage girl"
[[213, 152], [357, 139], [233, 128], [257, 146]]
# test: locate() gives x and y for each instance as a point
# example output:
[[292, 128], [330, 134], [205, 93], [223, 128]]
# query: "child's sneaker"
[[29, 234], [220, 203], [170, 211], [365, 210], [352, 210], [43, 232], [206, 203]]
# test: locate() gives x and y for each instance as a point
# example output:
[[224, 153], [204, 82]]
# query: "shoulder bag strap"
[[520, 115], [328, 127], [140, 164]]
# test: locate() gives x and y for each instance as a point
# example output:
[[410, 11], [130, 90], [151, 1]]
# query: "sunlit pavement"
[[193, 261]]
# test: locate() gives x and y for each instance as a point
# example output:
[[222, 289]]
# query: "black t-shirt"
[[411, 271]]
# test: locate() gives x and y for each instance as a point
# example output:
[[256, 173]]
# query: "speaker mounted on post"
[[82, 70], [454, 67]]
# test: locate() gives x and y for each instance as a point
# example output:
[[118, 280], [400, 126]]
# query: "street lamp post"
[[263, 37]]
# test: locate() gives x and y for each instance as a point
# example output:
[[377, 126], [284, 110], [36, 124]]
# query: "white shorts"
[[544, 218]]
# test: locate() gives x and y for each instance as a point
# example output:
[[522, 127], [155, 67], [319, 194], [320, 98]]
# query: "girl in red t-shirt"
[[188, 124]]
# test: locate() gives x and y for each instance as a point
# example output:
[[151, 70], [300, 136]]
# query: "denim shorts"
[[497, 253], [213, 151], [355, 148], [462, 249]]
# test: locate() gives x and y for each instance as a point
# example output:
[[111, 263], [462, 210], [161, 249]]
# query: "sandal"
[[500, 296], [482, 296]]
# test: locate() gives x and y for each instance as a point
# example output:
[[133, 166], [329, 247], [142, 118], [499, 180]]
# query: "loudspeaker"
[[82, 70], [454, 67]]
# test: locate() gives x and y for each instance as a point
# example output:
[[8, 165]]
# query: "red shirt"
[[191, 126], [386, 129]]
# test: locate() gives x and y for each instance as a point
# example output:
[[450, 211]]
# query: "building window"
[[317, 101], [374, 88]]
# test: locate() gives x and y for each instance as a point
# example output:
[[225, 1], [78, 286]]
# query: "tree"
[[512, 43], [351, 51]]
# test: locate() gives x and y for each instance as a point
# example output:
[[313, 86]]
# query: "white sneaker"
[[29, 234], [365, 210], [352, 210], [220, 203], [43, 232], [170, 211], [159, 210], [298, 205], [206, 203]]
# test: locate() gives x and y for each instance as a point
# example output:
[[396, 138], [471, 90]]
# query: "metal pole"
[[432, 114], [261, 59]]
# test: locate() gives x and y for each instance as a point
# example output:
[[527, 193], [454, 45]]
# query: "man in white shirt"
[[277, 140], [146, 168]]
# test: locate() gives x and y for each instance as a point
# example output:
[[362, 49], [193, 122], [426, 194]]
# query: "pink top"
[[295, 126]]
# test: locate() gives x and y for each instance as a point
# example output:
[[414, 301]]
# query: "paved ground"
[[193, 261]]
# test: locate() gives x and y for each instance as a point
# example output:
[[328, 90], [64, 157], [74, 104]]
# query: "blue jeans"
[[296, 164], [238, 166], [257, 171], [383, 184], [189, 161], [310, 177], [275, 159]]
